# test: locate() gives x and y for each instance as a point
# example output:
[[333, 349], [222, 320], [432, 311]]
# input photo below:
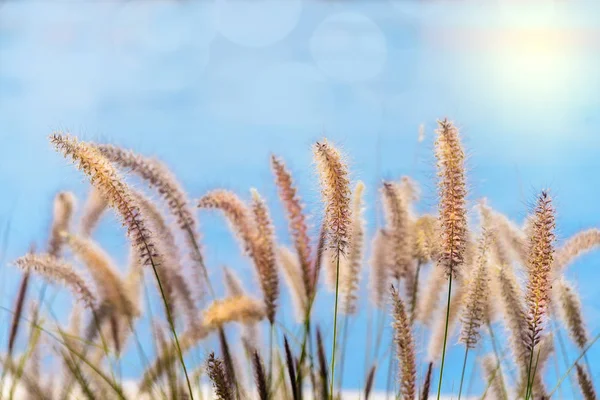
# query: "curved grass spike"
[[158, 176], [540, 260], [57, 271], [104, 177], [296, 220], [265, 255], [452, 211], [335, 189], [350, 279], [398, 229], [405, 348], [218, 376]]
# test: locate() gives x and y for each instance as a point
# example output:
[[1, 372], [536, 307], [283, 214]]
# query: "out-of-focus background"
[[213, 87]]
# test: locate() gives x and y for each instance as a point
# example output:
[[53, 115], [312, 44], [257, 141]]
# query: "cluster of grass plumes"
[[495, 273]]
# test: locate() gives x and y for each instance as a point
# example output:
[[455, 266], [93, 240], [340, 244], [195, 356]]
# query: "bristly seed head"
[[452, 197], [335, 188]]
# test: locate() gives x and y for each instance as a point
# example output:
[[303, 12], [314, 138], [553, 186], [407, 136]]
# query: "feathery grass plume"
[[436, 340], [265, 255], [171, 269], [430, 297], [351, 277], [109, 284], [427, 383], [336, 192], [259, 377], [585, 383], [379, 275], [104, 177], [296, 221], [242, 309], [323, 370], [575, 246], [236, 212], [452, 212], [158, 176], [254, 229], [16, 320], [405, 348], [493, 377], [398, 229], [476, 302], [93, 209], [293, 274], [541, 256], [64, 206], [452, 193], [216, 373], [370, 381], [425, 239], [571, 313], [58, 271], [513, 310]]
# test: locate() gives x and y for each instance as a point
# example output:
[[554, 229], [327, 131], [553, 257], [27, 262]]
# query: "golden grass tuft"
[[241, 309]]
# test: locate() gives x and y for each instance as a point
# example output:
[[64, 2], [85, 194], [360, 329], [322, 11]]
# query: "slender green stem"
[[464, 368], [445, 337], [335, 312], [173, 330], [270, 380], [498, 360], [568, 372]]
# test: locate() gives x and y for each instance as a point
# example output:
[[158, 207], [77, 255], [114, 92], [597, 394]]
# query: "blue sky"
[[214, 87]]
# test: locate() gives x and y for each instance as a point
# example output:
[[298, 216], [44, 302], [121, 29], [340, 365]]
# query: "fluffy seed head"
[[571, 313], [398, 229], [452, 194], [264, 245], [95, 206], [350, 279], [475, 311], [296, 220], [240, 309], [55, 270], [335, 189], [541, 257], [105, 178]]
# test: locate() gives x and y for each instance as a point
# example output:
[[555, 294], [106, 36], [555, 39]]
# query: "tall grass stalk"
[[464, 368], [445, 337], [335, 313]]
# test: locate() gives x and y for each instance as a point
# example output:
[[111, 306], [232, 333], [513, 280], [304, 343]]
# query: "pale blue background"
[[213, 88]]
